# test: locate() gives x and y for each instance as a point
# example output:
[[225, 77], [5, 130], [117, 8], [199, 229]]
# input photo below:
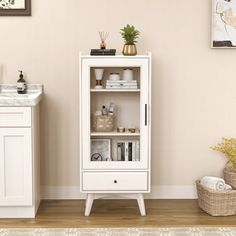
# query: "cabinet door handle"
[[115, 181], [145, 114]]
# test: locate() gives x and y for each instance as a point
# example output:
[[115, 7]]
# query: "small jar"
[[114, 76], [128, 74], [120, 129], [131, 129]]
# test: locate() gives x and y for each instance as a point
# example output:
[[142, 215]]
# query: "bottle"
[[111, 109], [104, 111], [21, 84]]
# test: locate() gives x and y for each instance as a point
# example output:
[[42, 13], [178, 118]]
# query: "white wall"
[[193, 85]]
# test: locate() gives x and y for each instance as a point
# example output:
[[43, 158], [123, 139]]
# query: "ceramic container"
[[114, 76], [128, 74]]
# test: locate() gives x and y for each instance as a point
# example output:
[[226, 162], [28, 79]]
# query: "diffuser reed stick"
[[103, 36]]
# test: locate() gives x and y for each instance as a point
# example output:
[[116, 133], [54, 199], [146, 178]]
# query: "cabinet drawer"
[[115, 181], [15, 116]]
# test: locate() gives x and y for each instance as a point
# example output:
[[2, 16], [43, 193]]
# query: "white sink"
[[9, 96]]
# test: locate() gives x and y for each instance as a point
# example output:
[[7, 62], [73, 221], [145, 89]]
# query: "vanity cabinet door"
[[15, 167]]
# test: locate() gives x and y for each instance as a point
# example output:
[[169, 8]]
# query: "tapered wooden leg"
[[89, 204], [141, 204]]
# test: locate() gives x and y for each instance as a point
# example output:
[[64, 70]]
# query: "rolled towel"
[[213, 183], [228, 187]]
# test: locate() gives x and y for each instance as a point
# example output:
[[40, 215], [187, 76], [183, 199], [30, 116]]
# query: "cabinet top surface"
[[10, 97], [86, 56]]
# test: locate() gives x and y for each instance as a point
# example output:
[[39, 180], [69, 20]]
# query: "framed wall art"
[[223, 23], [101, 149], [15, 7]]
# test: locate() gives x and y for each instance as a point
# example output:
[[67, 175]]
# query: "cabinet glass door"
[[114, 113]]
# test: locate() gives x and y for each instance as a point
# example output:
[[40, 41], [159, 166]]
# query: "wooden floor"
[[119, 213]]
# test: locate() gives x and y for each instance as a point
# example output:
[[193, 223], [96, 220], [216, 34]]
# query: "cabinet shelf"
[[114, 90], [108, 134]]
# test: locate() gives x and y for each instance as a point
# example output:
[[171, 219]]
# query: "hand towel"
[[213, 183], [228, 187]]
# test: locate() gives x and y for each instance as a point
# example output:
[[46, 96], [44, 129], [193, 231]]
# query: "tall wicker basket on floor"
[[230, 177], [216, 203]]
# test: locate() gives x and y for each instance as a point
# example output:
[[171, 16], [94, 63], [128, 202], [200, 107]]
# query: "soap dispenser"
[[21, 84]]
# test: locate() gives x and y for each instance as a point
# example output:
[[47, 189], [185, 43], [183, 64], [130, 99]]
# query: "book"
[[122, 152], [121, 87], [137, 151], [121, 82], [103, 52], [128, 150], [118, 151], [134, 150]]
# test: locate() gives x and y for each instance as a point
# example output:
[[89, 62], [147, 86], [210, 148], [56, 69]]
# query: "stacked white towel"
[[215, 183]]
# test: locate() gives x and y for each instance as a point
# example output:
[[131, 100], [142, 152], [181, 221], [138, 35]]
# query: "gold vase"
[[129, 50]]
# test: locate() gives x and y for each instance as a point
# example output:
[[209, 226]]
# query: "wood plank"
[[119, 213]]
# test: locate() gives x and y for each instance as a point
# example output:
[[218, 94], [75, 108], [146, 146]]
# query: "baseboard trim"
[[157, 192], [17, 212]]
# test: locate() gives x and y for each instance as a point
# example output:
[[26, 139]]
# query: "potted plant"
[[129, 34], [228, 147]]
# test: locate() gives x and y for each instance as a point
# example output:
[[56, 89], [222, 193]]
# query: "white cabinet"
[[115, 162], [19, 162], [16, 166]]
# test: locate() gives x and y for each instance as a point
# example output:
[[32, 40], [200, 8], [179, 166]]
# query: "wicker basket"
[[230, 177], [216, 203], [103, 123]]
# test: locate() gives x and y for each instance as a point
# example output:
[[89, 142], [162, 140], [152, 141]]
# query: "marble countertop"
[[10, 97]]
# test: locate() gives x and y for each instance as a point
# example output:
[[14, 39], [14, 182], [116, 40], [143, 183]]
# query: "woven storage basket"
[[216, 203], [230, 177], [103, 123]]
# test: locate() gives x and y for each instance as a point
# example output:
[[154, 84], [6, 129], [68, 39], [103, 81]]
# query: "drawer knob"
[[115, 181]]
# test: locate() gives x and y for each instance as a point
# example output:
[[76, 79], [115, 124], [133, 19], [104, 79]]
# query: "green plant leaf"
[[129, 34]]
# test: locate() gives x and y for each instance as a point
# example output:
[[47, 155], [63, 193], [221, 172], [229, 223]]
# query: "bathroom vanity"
[[19, 151]]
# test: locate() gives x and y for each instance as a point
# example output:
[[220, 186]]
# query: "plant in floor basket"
[[130, 35], [228, 147]]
